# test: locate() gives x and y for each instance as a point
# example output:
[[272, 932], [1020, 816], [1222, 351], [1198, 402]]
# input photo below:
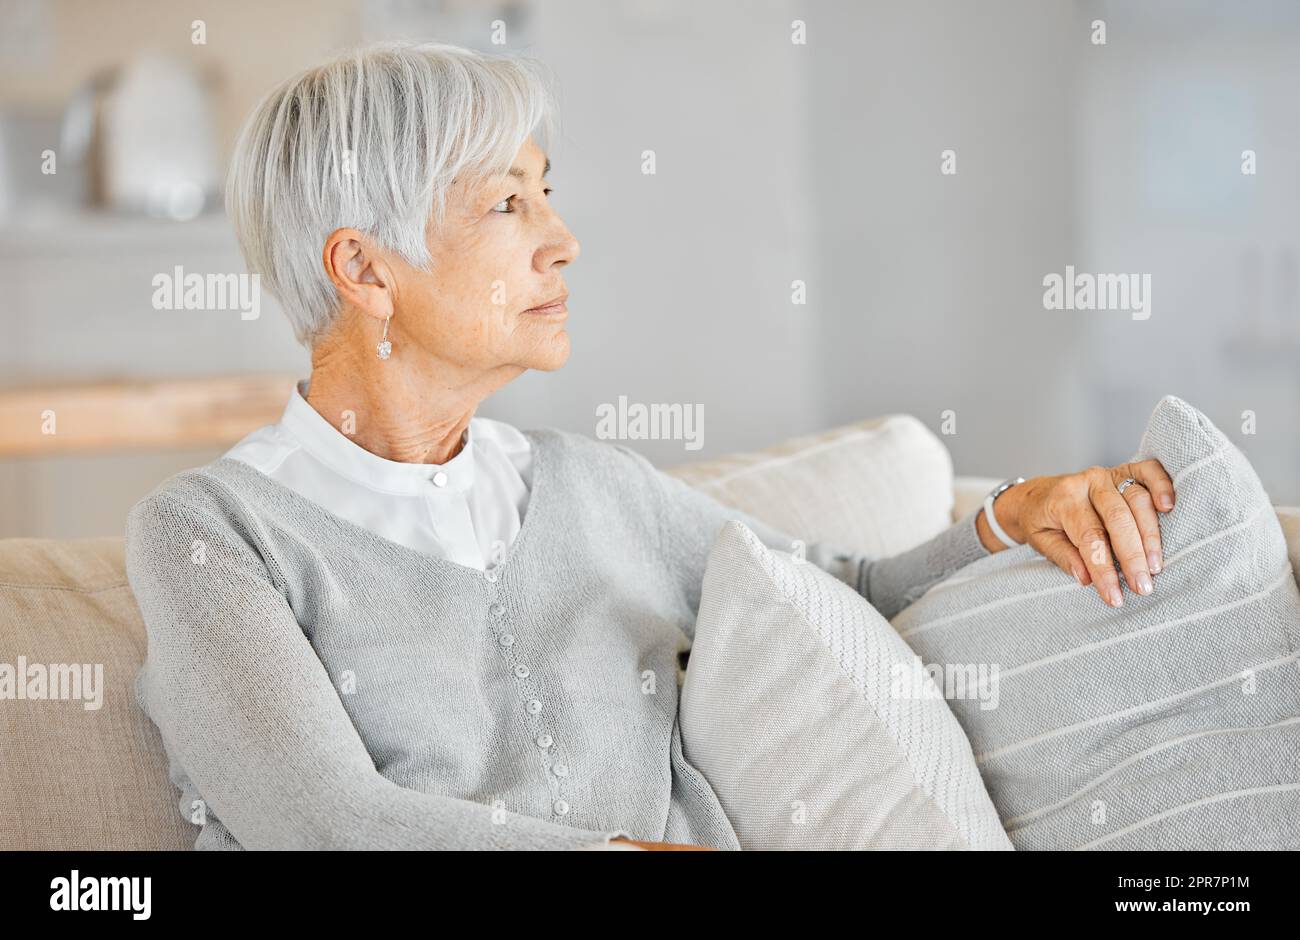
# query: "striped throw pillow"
[[1172, 722]]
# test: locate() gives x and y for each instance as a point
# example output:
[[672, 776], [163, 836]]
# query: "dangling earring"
[[385, 348]]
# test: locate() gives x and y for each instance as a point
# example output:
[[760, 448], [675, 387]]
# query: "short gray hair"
[[373, 140]]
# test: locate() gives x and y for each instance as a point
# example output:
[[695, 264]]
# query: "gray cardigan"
[[318, 686]]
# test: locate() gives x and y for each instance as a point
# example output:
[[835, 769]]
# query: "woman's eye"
[[506, 202]]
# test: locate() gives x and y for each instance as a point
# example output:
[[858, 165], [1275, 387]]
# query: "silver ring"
[[1125, 485]]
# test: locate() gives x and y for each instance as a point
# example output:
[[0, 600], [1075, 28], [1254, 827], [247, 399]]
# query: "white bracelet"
[[992, 518]]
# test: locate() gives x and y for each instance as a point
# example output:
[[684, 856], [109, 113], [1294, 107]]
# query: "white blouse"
[[467, 510]]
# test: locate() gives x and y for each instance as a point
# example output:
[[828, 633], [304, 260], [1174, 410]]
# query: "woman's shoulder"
[[602, 456], [206, 496], [211, 486], [208, 516]]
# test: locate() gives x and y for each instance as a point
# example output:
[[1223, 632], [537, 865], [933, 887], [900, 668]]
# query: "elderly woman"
[[385, 622]]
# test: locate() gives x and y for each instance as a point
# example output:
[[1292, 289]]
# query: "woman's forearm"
[[890, 584]]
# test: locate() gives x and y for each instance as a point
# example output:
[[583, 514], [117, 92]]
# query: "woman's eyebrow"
[[522, 174]]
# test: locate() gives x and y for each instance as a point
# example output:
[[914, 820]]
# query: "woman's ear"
[[359, 273]]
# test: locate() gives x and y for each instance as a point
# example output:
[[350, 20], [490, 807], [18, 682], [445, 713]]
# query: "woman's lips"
[[561, 307]]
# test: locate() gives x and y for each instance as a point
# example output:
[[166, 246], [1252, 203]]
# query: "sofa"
[[73, 778]]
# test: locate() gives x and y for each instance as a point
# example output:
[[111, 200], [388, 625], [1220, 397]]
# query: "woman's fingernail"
[[1116, 598], [1166, 501], [1144, 583], [1153, 561]]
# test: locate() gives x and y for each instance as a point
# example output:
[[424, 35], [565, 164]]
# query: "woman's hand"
[[1080, 522]]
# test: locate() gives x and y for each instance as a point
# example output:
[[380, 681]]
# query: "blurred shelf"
[[132, 416], [70, 232]]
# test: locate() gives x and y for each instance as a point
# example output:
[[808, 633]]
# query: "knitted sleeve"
[[690, 520], [247, 709]]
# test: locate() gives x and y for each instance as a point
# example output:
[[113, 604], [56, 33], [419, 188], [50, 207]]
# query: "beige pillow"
[[812, 720], [1289, 518], [878, 487]]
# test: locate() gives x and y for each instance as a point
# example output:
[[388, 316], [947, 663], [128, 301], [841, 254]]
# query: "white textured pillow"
[[794, 712], [880, 486], [1172, 722]]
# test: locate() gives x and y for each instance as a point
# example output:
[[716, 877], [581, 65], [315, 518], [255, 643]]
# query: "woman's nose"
[[563, 249]]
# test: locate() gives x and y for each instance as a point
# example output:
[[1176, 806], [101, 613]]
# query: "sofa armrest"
[[969, 492]]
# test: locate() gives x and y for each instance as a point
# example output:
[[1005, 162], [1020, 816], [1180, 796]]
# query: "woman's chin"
[[551, 355]]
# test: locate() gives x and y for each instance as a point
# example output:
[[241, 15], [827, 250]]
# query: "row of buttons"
[[534, 706]]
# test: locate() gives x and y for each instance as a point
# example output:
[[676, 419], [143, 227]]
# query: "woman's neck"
[[410, 407]]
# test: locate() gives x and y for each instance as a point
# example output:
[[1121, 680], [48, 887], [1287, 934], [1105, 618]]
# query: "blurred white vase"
[[158, 144]]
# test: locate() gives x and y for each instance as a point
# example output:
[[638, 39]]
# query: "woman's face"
[[501, 253]]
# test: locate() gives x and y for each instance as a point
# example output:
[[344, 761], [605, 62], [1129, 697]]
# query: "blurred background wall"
[[776, 162]]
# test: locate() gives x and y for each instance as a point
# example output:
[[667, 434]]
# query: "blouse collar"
[[337, 451]]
